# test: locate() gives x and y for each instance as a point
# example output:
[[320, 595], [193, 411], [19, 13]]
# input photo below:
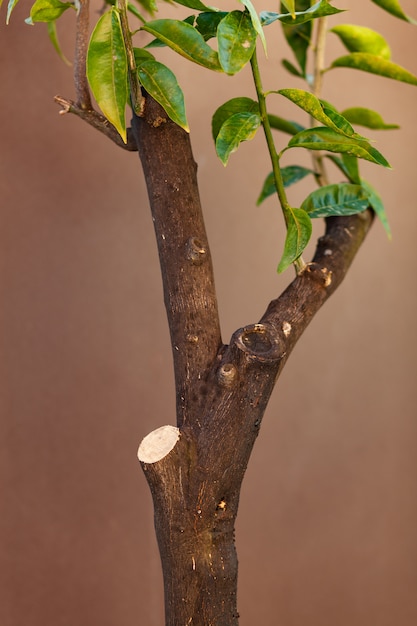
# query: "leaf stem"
[[318, 71], [299, 263], [279, 183], [137, 99]]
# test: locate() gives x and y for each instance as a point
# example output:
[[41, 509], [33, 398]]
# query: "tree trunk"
[[195, 470]]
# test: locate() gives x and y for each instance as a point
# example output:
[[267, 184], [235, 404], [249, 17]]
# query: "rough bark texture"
[[222, 390]]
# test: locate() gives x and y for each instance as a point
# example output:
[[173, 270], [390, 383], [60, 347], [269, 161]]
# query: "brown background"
[[327, 527]]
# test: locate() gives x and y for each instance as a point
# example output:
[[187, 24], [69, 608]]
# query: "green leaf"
[[157, 43], [256, 22], [319, 9], [298, 37], [53, 36], [348, 165], [291, 68], [185, 40], [362, 39], [229, 108], [48, 10], [299, 229], [194, 4], [236, 38], [376, 203], [290, 175], [394, 7], [142, 55], [375, 65], [341, 199], [322, 138], [278, 123], [161, 84], [237, 128], [207, 24], [320, 110], [150, 6], [107, 69], [367, 117]]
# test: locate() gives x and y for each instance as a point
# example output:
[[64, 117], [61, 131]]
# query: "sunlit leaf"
[[376, 203], [107, 69], [161, 84], [290, 175], [376, 65], [185, 40], [320, 110], [341, 199], [237, 128], [362, 39], [394, 7], [48, 10], [322, 138], [53, 36], [256, 22], [278, 123], [236, 38], [229, 108], [207, 24], [367, 118], [319, 9], [158, 43], [299, 230]]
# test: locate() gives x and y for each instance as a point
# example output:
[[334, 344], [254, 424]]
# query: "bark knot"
[[260, 341], [195, 251]]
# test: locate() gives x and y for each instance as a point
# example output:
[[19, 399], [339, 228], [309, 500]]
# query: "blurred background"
[[326, 532]]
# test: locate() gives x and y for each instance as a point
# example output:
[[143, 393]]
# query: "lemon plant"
[[195, 468]]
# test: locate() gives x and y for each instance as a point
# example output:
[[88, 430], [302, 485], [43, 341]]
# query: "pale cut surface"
[[158, 444]]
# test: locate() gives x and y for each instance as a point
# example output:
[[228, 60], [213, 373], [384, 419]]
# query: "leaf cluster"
[[226, 42]]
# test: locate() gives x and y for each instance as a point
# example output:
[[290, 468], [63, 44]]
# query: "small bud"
[[227, 375], [195, 251]]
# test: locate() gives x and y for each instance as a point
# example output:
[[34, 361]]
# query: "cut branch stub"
[[155, 446], [259, 341]]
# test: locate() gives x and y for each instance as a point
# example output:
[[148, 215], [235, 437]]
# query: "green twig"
[[299, 263]]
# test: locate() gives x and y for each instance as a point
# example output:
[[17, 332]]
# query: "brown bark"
[[222, 390]]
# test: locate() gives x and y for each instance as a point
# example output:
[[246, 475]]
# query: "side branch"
[[293, 310], [97, 121]]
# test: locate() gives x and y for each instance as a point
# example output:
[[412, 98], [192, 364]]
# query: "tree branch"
[[81, 47], [290, 314], [97, 121], [195, 472], [190, 300]]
